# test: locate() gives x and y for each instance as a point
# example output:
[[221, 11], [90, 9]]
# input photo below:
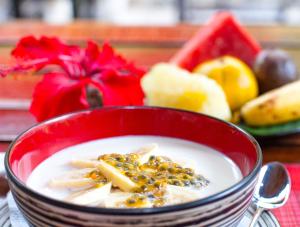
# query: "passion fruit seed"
[[151, 177], [131, 201]]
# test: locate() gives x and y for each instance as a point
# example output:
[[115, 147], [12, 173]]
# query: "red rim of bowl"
[[138, 211]]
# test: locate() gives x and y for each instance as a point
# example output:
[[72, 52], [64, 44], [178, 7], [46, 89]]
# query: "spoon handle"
[[257, 213]]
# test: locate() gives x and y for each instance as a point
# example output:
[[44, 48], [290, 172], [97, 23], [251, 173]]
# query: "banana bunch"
[[274, 107]]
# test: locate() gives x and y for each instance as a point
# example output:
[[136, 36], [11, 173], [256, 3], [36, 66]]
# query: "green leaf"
[[274, 130]]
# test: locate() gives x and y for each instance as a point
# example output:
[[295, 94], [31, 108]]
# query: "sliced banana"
[[145, 152], [90, 197], [117, 199], [116, 177], [177, 194], [72, 183], [80, 163], [73, 180]]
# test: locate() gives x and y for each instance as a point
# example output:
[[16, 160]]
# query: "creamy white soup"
[[134, 172]]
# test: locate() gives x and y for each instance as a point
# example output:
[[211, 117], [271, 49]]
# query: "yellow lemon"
[[234, 76]]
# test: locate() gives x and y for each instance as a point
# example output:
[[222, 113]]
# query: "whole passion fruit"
[[274, 68]]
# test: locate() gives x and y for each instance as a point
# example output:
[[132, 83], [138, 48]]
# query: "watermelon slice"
[[223, 35]]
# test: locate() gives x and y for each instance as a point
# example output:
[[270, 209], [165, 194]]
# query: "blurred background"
[[151, 12]]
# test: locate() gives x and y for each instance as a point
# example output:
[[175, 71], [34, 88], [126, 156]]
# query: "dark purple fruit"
[[274, 68]]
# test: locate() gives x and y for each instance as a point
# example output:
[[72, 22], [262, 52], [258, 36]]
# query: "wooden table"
[[145, 46]]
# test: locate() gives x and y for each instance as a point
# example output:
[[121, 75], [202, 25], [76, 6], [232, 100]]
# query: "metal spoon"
[[272, 189]]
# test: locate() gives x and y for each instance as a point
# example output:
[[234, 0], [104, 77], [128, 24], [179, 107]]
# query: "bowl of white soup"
[[133, 166]]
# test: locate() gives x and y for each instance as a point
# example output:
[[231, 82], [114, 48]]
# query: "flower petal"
[[116, 93], [51, 51], [30, 48], [118, 80], [57, 94]]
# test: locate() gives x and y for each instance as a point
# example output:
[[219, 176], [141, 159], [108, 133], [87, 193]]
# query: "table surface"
[[143, 45]]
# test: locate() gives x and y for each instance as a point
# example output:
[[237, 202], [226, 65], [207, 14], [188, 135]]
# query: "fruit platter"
[[260, 85], [221, 71]]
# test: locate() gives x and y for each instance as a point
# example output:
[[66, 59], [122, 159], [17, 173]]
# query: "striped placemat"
[[4, 213]]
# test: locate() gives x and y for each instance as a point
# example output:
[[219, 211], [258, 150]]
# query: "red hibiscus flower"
[[83, 77]]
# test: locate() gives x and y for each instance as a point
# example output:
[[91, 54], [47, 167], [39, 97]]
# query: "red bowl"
[[44, 139]]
